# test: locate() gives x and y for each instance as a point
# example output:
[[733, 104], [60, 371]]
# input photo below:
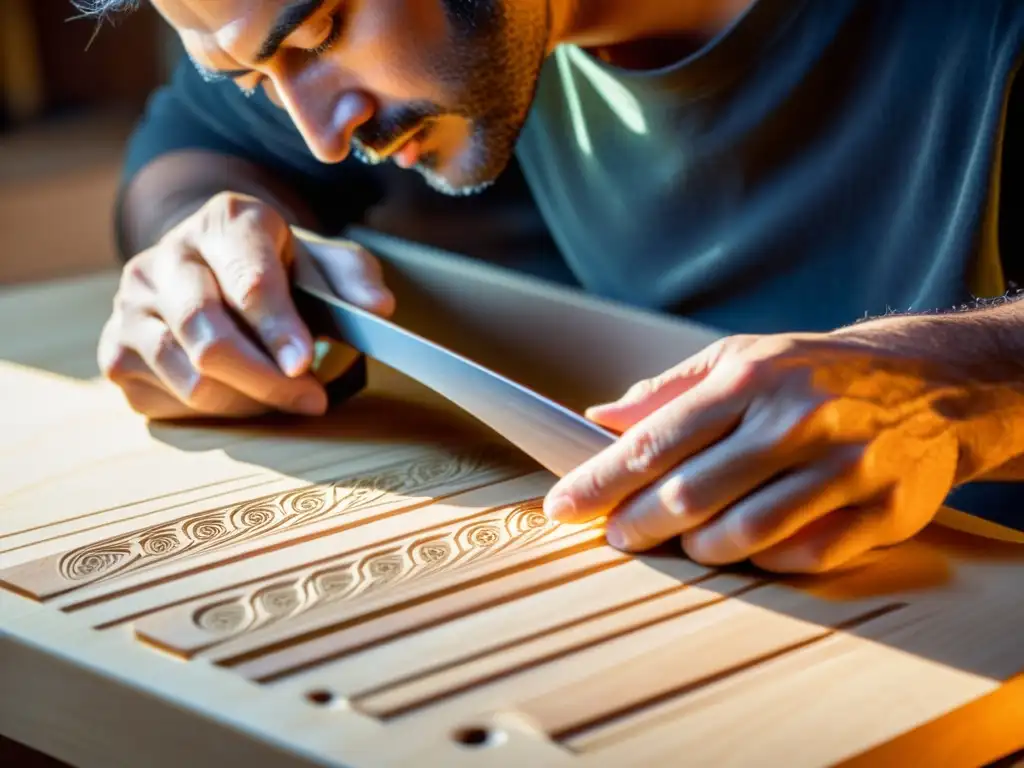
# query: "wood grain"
[[402, 483], [379, 587]]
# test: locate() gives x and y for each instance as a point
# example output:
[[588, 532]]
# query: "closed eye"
[[333, 35]]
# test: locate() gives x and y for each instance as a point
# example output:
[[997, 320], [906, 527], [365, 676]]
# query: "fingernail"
[[292, 359], [618, 538], [370, 295], [559, 508]]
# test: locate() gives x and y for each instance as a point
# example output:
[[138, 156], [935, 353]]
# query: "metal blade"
[[552, 435]]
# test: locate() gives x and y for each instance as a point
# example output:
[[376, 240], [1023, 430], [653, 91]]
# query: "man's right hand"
[[204, 324]]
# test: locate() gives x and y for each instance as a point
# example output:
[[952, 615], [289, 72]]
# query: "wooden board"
[[380, 587]]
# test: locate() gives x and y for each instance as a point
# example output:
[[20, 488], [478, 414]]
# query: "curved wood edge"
[[987, 730]]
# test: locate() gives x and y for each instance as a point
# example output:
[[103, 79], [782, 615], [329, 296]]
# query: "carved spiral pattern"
[[384, 567], [205, 529], [92, 563], [488, 536], [279, 600], [434, 552], [484, 536], [434, 471], [160, 543], [526, 517], [334, 582], [225, 618], [307, 504], [229, 525]]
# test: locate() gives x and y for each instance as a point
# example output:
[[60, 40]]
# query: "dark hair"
[[103, 7]]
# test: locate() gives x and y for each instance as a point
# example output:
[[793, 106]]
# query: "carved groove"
[[414, 703], [501, 647], [440, 617], [475, 578], [229, 525], [580, 729], [505, 530]]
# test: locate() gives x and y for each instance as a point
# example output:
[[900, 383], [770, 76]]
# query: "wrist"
[[974, 363], [173, 187]]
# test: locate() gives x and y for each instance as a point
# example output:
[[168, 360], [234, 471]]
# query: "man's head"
[[440, 85]]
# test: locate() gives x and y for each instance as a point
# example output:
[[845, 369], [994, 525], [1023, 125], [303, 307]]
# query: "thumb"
[[352, 272], [648, 395]]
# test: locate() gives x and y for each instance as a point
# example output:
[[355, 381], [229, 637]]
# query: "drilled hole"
[[320, 697], [477, 737]]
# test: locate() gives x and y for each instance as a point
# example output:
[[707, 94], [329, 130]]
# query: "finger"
[[642, 399], [649, 449], [780, 509], [648, 395], [707, 483], [162, 354], [248, 260], [352, 273], [828, 543], [154, 402], [192, 307], [118, 362]]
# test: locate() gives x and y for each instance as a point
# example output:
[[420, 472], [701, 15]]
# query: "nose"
[[324, 115]]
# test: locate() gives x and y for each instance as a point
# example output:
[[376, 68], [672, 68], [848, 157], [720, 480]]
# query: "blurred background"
[[69, 94]]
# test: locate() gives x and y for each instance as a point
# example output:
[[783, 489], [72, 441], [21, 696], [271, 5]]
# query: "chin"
[[471, 166], [450, 181]]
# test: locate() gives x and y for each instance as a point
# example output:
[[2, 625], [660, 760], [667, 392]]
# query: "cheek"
[[397, 48]]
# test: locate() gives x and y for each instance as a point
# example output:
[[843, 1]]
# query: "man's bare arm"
[[176, 185]]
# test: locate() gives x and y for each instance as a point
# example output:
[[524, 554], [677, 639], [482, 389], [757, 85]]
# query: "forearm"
[[176, 185], [977, 358]]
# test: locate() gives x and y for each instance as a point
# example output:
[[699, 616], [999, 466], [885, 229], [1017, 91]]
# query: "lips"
[[408, 151], [407, 155], [405, 149]]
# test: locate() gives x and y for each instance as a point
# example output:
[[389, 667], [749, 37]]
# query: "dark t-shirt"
[[820, 161]]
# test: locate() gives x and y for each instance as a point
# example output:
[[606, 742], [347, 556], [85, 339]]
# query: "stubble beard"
[[493, 65]]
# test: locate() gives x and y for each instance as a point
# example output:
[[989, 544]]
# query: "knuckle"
[[115, 363], [226, 203], [678, 497], [745, 373], [263, 217], [643, 447], [249, 285], [165, 349], [134, 274], [193, 322], [196, 392], [208, 355], [642, 389]]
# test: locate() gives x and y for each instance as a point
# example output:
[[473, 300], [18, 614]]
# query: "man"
[[782, 169]]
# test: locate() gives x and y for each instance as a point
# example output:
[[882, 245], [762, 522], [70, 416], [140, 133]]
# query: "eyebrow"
[[290, 19]]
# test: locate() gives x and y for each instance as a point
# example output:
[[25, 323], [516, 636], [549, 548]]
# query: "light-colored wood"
[[379, 587]]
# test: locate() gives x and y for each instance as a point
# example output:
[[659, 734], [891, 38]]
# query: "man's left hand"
[[798, 452]]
